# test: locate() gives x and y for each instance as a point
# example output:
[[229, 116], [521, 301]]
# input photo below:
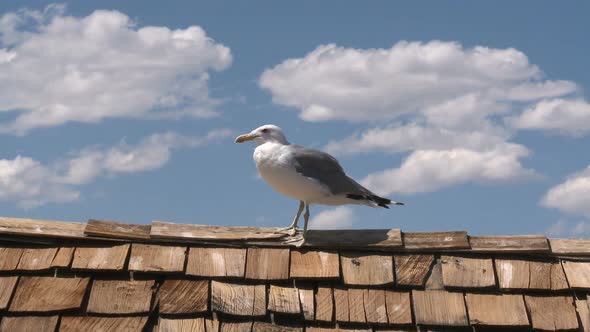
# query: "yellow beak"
[[245, 137]]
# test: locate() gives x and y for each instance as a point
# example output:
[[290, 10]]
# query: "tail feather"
[[380, 201]]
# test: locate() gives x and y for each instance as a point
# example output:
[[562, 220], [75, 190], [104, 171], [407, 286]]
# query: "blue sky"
[[475, 115]]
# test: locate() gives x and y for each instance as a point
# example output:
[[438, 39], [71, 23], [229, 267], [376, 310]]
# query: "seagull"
[[308, 175]]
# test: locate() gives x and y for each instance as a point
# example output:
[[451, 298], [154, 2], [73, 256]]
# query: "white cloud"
[[566, 228], [572, 195], [570, 117], [30, 183], [56, 69], [336, 218]]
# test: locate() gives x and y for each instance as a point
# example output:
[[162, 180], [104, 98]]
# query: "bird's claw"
[[291, 231], [298, 241]]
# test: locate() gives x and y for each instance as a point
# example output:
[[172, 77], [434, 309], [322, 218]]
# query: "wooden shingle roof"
[[109, 276]]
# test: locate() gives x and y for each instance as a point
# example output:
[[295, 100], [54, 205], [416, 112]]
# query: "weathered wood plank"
[[216, 262], [366, 269], [375, 308], [412, 270], [570, 246], [211, 325], [552, 313], [267, 264], [236, 327], [578, 274], [181, 325], [63, 258], [314, 264], [356, 307], [525, 274], [20, 226], [496, 310], [106, 258], [36, 259], [434, 307], [284, 300], [166, 230], [584, 313], [44, 294], [435, 280], [156, 258], [94, 323], [435, 240], [183, 296], [324, 304], [467, 272], [238, 300], [366, 238], [120, 296], [118, 230], [29, 323], [341, 305], [509, 243], [6, 289], [9, 258], [306, 297], [398, 306], [268, 327]]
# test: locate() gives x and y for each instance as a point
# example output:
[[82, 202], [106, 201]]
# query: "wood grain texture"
[[510, 243], [306, 297], [356, 307], [525, 274], [583, 313], [467, 272], [570, 246], [267, 264], [36, 259], [435, 240], [284, 300], [216, 262], [211, 325], [43, 294], [412, 270], [496, 310], [399, 307], [102, 324], [183, 296], [63, 257], [324, 304], [120, 296], [268, 327], [552, 313], [118, 230], [29, 324], [236, 327], [237, 299], [61, 229], [106, 258], [435, 280], [366, 269], [578, 274], [9, 258], [156, 258], [341, 309], [314, 264], [6, 289], [366, 238], [181, 325], [166, 230], [435, 307], [375, 308]]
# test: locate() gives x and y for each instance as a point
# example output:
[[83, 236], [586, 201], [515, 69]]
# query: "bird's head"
[[263, 134]]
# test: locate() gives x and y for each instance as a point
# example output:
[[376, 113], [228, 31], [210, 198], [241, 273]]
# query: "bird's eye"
[[265, 130]]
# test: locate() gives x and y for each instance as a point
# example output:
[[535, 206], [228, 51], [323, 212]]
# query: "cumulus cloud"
[[30, 183], [564, 116], [336, 218], [56, 68], [572, 195], [567, 228]]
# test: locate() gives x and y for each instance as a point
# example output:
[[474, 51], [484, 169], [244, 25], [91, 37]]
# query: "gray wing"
[[324, 168]]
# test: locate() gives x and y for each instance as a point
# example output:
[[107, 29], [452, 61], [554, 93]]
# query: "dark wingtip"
[[399, 203]]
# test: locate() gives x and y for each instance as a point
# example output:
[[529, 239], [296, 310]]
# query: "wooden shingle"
[[284, 300], [314, 264], [35, 227], [467, 272], [551, 313], [578, 274], [120, 296], [36, 259], [346, 238], [238, 300], [341, 304], [583, 313], [436, 307], [114, 229], [268, 327], [496, 310], [356, 307], [236, 327], [183, 296], [374, 303], [63, 258], [306, 297], [156, 258], [9, 258], [106, 258], [42, 294], [324, 304], [570, 246], [6, 289], [267, 264], [412, 270], [399, 307], [435, 240], [509, 243], [29, 324], [166, 230], [525, 274], [106, 324], [216, 262], [211, 325], [181, 325], [366, 269]]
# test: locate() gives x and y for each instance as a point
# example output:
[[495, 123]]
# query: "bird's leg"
[[306, 219], [292, 230]]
